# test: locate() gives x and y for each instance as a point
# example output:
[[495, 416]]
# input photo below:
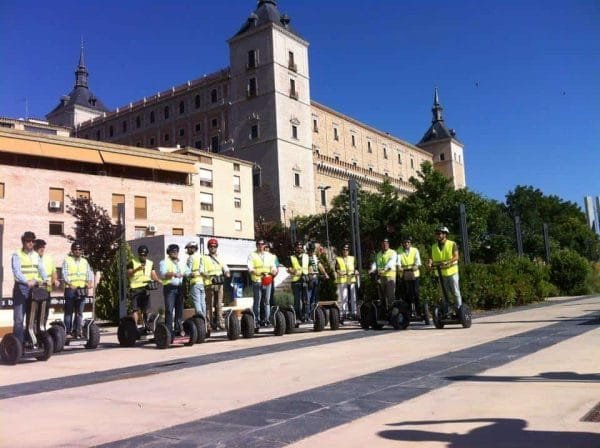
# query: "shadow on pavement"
[[500, 432], [545, 377]]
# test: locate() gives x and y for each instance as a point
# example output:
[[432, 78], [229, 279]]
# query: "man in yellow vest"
[[171, 271], [261, 266], [385, 267], [27, 268], [140, 272], [215, 271], [195, 266], [40, 247], [444, 253], [78, 277], [345, 277], [299, 271], [409, 262]]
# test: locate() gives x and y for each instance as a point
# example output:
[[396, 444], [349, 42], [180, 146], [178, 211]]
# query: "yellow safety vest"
[[382, 260], [195, 268], [260, 266], [347, 267], [445, 254], [407, 261], [212, 268], [29, 264], [49, 268], [78, 272], [298, 267], [171, 267], [141, 278]]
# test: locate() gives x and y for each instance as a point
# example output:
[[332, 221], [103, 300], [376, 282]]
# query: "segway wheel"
[[405, 320], [233, 327], [58, 335], [127, 332], [396, 318], [11, 349], [46, 344], [190, 330], [437, 318], [334, 318], [201, 331], [162, 336], [367, 318], [464, 314], [319, 319], [247, 326], [94, 336], [279, 323], [290, 321]]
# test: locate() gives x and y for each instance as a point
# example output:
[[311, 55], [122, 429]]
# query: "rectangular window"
[[237, 226], [116, 200], [315, 125], [198, 144], [207, 225], [369, 147], [412, 163], [336, 136], [293, 92], [295, 132], [176, 206], [442, 156], [139, 232], [181, 132], [256, 178], [399, 159], [236, 167], [56, 199], [82, 194], [385, 153], [214, 144], [237, 202], [213, 96], [323, 197], [254, 132], [2, 222], [296, 179], [252, 87], [206, 178], [177, 231], [206, 202], [141, 210], [198, 127], [56, 228], [1, 190], [353, 141], [251, 59], [237, 185], [291, 63]]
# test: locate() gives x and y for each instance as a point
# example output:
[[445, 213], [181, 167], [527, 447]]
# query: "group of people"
[[204, 274], [32, 267]]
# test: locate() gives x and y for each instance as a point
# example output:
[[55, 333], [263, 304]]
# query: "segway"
[[129, 332], [326, 312], [186, 336], [38, 342], [376, 315], [420, 314], [445, 313], [90, 332]]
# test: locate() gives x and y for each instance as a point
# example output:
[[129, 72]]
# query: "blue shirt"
[[180, 268], [65, 270], [16, 267]]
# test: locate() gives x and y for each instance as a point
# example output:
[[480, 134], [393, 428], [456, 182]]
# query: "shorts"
[[139, 299]]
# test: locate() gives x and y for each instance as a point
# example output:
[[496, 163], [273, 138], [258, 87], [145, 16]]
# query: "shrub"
[[570, 272]]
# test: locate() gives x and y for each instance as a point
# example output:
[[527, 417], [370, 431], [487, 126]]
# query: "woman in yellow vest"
[[299, 271], [77, 275], [345, 277], [444, 253], [140, 272]]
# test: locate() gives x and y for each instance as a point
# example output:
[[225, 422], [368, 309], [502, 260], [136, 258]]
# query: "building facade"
[[260, 109]]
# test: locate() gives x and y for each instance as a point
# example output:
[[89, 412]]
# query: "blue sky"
[[519, 80]]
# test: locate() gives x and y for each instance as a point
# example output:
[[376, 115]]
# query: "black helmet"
[[38, 244], [172, 248], [28, 236], [76, 246], [143, 250], [310, 247]]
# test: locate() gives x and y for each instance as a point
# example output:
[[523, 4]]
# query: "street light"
[[284, 208], [323, 189]]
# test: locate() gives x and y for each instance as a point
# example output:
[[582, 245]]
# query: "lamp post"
[[284, 208], [323, 189]]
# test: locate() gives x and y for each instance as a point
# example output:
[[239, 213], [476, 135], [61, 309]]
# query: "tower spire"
[[81, 74], [437, 107]]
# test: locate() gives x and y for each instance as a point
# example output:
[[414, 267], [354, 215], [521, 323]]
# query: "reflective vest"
[[49, 268], [382, 260], [346, 266], [29, 264], [172, 267], [196, 268], [141, 278], [407, 261], [212, 267], [77, 271], [298, 267], [445, 254], [262, 265]]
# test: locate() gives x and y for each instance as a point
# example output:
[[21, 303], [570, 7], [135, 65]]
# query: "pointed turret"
[[81, 74], [266, 12], [438, 129]]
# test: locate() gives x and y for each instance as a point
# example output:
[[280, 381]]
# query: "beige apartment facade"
[[162, 192], [260, 109]]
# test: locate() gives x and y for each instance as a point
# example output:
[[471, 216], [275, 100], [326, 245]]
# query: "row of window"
[[206, 179], [252, 88], [253, 60]]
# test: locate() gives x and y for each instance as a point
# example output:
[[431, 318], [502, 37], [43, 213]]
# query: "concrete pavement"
[[514, 379]]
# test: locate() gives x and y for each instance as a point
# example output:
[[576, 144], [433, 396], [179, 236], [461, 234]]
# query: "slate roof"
[[267, 12], [438, 129]]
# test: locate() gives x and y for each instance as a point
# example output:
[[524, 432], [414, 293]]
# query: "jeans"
[[173, 301], [300, 290], [20, 298], [73, 303], [260, 305], [452, 288], [197, 293], [411, 292], [313, 287]]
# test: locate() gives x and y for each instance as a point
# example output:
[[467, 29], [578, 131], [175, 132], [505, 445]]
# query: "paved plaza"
[[523, 378]]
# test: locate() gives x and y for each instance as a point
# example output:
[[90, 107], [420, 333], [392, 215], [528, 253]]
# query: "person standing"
[[78, 277], [40, 247], [27, 268], [171, 271], [409, 263], [140, 271], [261, 266], [315, 267], [269, 248], [345, 277], [385, 267], [195, 267], [444, 254], [299, 272], [215, 271]]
